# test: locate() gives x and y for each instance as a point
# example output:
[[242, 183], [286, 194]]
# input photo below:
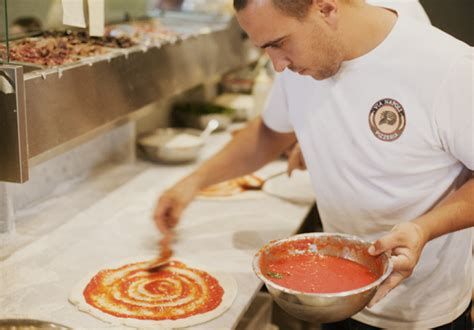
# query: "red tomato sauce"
[[164, 294], [297, 265], [314, 273]]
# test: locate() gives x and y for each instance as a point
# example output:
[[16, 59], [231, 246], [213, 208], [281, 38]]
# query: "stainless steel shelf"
[[66, 105]]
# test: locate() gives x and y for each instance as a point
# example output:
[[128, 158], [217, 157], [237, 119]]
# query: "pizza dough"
[[241, 188], [161, 298]]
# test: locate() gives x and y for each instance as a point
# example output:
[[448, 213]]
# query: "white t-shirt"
[[385, 140], [411, 8]]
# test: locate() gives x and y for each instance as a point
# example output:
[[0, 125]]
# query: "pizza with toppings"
[[174, 295], [232, 187]]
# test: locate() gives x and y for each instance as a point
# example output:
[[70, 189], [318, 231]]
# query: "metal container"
[[27, 324], [157, 147], [326, 307]]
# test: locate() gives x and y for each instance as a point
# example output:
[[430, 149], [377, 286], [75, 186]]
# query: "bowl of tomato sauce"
[[321, 277]]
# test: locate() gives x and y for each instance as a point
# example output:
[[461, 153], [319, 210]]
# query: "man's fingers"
[[175, 214], [391, 282], [301, 161], [385, 243], [291, 165], [293, 159], [166, 215], [400, 260], [289, 171], [162, 224]]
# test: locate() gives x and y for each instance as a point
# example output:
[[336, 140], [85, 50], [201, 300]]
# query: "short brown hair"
[[295, 8]]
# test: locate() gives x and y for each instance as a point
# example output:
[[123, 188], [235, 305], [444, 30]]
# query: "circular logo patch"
[[387, 120]]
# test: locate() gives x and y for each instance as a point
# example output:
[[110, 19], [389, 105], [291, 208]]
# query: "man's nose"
[[279, 61]]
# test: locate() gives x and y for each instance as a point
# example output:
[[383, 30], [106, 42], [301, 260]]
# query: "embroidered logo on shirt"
[[387, 119]]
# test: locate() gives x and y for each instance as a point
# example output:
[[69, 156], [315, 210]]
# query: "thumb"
[[175, 215], [290, 168], [384, 244], [289, 171]]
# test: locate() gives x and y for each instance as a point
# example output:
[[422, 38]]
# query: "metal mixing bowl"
[[155, 146], [325, 307], [27, 324]]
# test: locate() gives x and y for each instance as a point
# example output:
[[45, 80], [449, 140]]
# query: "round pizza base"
[[226, 281]]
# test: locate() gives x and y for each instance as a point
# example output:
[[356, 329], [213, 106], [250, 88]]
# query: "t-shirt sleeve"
[[455, 110], [275, 114]]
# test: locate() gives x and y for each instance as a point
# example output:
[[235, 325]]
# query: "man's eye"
[[278, 45]]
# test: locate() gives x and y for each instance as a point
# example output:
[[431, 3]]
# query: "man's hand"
[[250, 149], [296, 160], [406, 240], [172, 203], [405, 243]]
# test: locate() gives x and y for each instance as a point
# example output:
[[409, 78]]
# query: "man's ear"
[[328, 11]]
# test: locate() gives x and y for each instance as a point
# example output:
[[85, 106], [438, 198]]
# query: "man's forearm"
[[250, 149], [455, 213]]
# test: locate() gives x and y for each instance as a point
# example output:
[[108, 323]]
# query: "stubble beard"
[[327, 72], [334, 57]]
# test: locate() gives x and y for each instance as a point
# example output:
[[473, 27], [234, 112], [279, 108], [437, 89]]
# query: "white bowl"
[[172, 145]]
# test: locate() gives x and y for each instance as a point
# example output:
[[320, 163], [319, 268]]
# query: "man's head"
[[296, 8], [301, 35]]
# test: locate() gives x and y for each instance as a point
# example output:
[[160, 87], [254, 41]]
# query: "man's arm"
[[250, 149], [457, 212], [407, 240]]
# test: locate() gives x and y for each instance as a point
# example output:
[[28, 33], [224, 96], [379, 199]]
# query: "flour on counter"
[[15, 280]]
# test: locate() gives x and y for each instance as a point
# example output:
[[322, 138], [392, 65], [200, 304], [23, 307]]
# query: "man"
[[411, 8], [382, 108]]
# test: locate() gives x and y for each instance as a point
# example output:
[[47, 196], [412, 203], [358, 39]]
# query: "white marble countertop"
[[35, 280]]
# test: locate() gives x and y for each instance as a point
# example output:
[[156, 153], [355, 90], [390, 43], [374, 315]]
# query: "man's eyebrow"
[[273, 42]]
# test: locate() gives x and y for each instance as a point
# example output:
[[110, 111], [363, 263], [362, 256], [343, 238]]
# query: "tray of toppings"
[[57, 48], [145, 32]]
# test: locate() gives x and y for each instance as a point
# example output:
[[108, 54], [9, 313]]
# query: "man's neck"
[[364, 27]]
